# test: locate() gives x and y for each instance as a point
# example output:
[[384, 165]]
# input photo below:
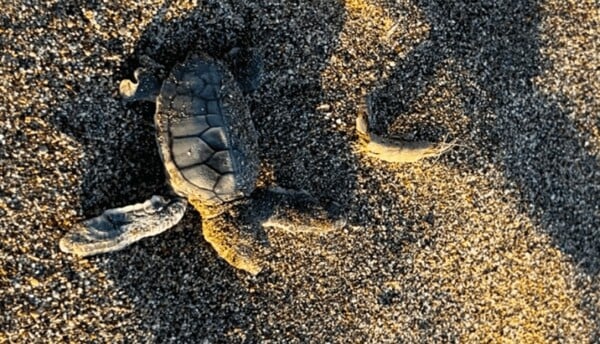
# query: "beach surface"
[[495, 241]]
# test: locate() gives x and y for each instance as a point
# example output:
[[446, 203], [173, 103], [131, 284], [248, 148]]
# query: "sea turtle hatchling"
[[208, 145]]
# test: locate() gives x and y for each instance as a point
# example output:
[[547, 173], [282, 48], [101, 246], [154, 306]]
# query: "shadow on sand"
[[177, 274], [528, 133]]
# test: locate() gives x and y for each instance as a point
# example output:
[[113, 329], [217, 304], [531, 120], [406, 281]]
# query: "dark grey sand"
[[495, 241]]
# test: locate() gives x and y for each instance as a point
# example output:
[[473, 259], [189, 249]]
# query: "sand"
[[498, 240]]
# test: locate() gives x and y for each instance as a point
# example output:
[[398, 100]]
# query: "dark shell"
[[205, 134]]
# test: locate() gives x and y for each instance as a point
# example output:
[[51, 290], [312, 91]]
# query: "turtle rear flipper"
[[117, 228], [145, 87], [247, 67]]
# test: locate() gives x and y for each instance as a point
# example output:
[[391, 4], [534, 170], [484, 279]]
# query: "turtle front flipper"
[[390, 149], [236, 230], [237, 243], [398, 151], [296, 212], [239, 240], [117, 228]]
